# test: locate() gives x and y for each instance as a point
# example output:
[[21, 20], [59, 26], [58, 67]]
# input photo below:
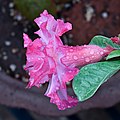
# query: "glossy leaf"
[[92, 76], [113, 54], [103, 42]]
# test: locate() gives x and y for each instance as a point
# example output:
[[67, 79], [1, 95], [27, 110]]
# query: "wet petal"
[[62, 27], [53, 85], [82, 55], [27, 40], [62, 100]]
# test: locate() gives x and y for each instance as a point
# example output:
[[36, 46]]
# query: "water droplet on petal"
[[101, 53], [71, 50], [87, 59], [91, 52], [38, 58], [98, 53], [68, 53], [75, 57], [67, 57], [69, 106], [57, 88]]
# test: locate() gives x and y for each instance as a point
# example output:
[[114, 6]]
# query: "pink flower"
[[48, 60]]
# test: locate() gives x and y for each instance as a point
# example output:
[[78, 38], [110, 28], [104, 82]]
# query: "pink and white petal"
[[30, 84], [43, 18], [62, 101], [42, 81], [83, 55], [44, 34], [66, 74], [27, 40], [51, 64], [62, 27], [53, 86], [37, 43], [41, 72], [51, 24]]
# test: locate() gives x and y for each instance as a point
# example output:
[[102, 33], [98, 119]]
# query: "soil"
[[12, 54]]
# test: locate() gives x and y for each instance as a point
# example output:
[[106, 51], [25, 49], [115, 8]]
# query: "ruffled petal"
[[53, 86], [27, 40], [38, 72], [43, 18], [62, 100], [62, 27], [66, 74]]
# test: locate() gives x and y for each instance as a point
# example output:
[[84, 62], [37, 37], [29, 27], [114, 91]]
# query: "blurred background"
[[89, 18]]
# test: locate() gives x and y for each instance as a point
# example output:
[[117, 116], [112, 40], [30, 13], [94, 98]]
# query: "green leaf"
[[103, 42], [113, 54], [92, 76]]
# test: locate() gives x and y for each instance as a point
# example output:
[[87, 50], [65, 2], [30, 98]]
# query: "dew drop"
[[75, 57], [101, 53], [85, 68], [71, 50], [68, 53], [38, 58], [91, 52], [67, 57], [98, 53], [69, 106], [57, 88], [75, 88], [87, 59], [63, 73]]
